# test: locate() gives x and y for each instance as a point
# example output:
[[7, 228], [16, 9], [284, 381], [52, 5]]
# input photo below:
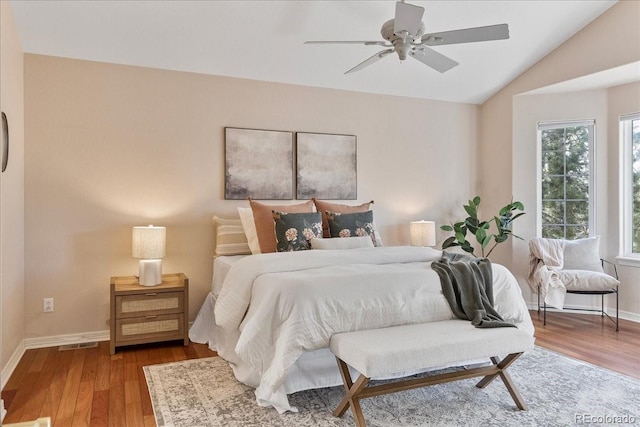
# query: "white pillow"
[[249, 225], [378, 238], [581, 280], [582, 254], [342, 243]]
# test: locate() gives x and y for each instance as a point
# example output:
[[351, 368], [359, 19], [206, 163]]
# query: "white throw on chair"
[[558, 267]]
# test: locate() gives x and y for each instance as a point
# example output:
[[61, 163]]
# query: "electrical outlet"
[[48, 305]]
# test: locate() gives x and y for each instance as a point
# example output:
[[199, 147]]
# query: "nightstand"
[[146, 314]]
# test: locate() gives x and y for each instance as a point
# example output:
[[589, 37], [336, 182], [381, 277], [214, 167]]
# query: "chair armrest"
[[615, 269]]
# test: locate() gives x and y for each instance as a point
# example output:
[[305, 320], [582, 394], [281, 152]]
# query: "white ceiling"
[[263, 40]]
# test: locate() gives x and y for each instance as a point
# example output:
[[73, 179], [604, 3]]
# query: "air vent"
[[77, 346]]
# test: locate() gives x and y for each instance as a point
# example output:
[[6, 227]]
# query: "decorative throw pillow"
[[324, 207], [582, 254], [350, 243], [583, 280], [230, 237], [352, 224], [263, 218], [295, 230], [249, 226]]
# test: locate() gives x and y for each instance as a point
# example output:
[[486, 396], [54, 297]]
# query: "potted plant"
[[481, 229]]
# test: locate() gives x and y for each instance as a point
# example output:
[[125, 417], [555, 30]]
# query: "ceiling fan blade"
[[433, 59], [378, 56], [364, 42], [408, 18], [467, 35]]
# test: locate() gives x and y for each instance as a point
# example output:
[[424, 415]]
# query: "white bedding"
[[221, 267], [276, 312]]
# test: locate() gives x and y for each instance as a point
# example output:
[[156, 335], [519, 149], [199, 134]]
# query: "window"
[[630, 170], [567, 201]]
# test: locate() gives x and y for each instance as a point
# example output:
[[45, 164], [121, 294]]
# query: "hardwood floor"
[[90, 387], [591, 338]]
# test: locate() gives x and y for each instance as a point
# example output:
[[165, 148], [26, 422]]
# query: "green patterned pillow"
[[355, 224], [295, 230]]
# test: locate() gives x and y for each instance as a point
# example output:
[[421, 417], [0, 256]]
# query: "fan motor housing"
[[388, 33], [402, 46]]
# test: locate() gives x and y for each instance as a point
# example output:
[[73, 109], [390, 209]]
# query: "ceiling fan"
[[405, 36]]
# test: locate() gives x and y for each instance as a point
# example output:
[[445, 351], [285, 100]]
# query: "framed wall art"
[[258, 164], [326, 166]]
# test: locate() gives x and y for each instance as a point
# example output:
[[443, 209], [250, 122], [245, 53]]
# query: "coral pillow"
[[323, 207], [265, 227]]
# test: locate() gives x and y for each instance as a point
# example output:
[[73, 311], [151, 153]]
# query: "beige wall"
[[12, 288], [621, 100], [110, 146], [611, 40]]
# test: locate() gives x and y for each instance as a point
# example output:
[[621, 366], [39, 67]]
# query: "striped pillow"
[[230, 237]]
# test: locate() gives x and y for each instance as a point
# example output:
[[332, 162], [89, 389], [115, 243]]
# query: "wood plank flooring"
[[89, 387]]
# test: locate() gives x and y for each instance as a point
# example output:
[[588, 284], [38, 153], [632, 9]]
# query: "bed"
[[272, 315]]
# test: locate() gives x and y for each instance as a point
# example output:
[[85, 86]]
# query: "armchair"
[[558, 267]]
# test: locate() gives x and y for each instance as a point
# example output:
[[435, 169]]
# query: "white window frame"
[[626, 257], [592, 168]]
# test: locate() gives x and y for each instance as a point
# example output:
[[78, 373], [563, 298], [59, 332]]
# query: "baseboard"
[[57, 340], [52, 341], [626, 315], [11, 364]]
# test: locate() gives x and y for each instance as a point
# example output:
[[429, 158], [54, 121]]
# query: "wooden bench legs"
[[359, 390], [506, 378]]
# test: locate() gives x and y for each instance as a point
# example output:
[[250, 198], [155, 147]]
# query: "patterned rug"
[[559, 391]]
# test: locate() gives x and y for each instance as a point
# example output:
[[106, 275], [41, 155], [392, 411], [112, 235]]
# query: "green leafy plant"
[[481, 229]]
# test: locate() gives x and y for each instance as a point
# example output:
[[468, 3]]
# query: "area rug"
[[558, 390]]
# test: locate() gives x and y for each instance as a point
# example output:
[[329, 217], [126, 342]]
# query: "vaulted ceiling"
[[264, 40]]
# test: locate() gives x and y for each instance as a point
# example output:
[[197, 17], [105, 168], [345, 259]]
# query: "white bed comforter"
[[274, 307]]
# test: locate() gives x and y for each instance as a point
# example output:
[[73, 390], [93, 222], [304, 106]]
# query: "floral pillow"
[[294, 231], [355, 224]]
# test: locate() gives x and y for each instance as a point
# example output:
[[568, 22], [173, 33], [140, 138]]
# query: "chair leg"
[[538, 299], [544, 310], [617, 318], [602, 305]]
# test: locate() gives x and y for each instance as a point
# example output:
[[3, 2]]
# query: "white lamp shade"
[[423, 233], [148, 242]]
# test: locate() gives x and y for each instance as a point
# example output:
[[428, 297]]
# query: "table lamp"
[[423, 233], [148, 245]]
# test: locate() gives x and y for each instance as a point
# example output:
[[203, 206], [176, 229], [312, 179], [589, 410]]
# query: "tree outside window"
[[566, 176], [635, 209]]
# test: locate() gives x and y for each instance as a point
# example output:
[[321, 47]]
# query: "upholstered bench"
[[406, 349]]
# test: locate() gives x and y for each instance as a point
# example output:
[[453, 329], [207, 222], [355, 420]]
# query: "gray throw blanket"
[[467, 283]]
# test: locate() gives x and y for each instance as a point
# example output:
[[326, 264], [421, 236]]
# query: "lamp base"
[[150, 273]]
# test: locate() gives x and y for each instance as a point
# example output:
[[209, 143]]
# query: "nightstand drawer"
[[165, 327], [149, 304]]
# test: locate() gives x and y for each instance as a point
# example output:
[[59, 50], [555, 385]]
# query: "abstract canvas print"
[[326, 166], [258, 164]]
